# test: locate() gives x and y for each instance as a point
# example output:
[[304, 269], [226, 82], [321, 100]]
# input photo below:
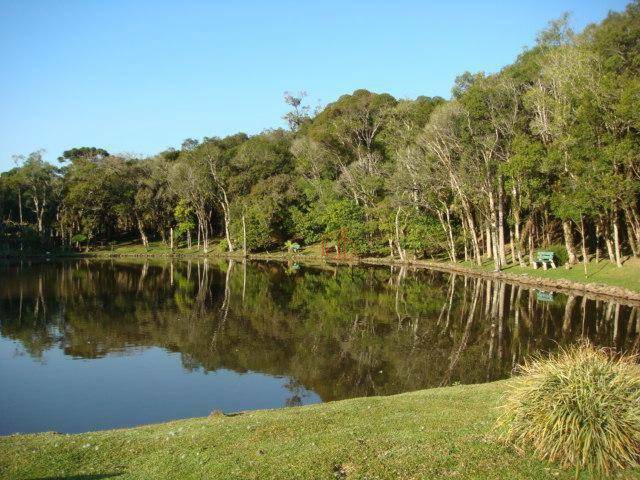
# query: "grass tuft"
[[579, 408]]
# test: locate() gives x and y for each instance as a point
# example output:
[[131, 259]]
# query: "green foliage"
[[554, 136], [90, 154], [184, 216], [346, 224], [79, 238], [580, 408], [292, 247], [424, 234]]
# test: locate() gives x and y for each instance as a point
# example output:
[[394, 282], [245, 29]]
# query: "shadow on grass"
[[96, 476]]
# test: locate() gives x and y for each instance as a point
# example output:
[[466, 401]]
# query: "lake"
[[89, 344]]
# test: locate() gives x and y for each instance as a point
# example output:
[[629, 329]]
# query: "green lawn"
[[603, 272], [437, 433]]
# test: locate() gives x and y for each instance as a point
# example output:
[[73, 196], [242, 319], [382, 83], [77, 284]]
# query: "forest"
[[543, 154]]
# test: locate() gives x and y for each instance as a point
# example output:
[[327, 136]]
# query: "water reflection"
[[337, 331]]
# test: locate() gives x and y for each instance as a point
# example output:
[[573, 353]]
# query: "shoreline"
[[596, 291], [416, 434]]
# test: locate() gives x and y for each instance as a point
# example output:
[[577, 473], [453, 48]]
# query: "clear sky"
[[141, 76]]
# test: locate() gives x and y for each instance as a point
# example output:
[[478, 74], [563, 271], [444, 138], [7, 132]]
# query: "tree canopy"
[[543, 154]]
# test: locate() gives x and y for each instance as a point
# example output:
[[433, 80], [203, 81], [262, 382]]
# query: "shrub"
[[579, 408]]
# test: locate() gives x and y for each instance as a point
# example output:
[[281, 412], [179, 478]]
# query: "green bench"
[[543, 296], [544, 258]]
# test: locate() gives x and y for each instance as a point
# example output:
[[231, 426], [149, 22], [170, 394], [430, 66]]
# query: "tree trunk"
[[487, 242], [401, 252], [501, 239], [631, 235], [472, 230], [465, 235], [494, 234], [616, 241], [609, 243], [225, 211], [585, 258], [518, 246], [20, 205], [171, 238], [568, 241], [634, 220], [205, 236], [531, 247], [454, 257], [244, 237], [143, 235]]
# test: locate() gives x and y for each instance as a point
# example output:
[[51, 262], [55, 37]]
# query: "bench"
[[544, 258], [543, 296]]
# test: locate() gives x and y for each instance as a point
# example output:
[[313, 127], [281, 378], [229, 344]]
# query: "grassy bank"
[[437, 433], [602, 273]]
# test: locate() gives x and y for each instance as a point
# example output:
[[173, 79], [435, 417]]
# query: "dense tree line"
[[546, 152]]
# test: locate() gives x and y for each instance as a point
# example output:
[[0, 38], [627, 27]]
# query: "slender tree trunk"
[[473, 235], [634, 220], [225, 212], [401, 252], [494, 234], [512, 251], [20, 205], [631, 235], [585, 258], [497, 263], [454, 257], [500, 232], [171, 238], [487, 242], [244, 237], [517, 244], [472, 230], [531, 247], [609, 243], [616, 240], [465, 235], [143, 235], [205, 236], [568, 241]]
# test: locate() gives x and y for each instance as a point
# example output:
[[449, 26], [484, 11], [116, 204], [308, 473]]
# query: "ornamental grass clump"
[[579, 408]]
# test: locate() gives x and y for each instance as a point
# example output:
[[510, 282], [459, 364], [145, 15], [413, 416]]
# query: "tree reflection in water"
[[340, 331]]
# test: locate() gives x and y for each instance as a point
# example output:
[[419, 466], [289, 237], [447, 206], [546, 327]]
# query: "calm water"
[[94, 344]]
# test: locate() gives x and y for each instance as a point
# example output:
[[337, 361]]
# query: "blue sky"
[[141, 76]]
